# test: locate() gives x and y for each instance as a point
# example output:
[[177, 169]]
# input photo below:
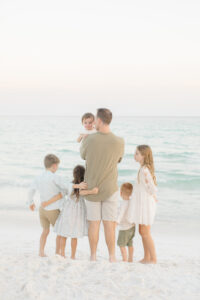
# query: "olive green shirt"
[[102, 152]]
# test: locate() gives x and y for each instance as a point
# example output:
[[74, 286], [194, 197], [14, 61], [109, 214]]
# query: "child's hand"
[[156, 200], [84, 136], [95, 190], [44, 204], [32, 207], [83, 186]]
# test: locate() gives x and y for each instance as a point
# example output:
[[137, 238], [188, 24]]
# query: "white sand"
[[23, 275]]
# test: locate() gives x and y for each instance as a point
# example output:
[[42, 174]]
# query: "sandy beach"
[[24, 275]]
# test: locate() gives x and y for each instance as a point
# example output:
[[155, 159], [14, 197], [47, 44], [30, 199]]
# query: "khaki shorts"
[[125, 237], [103, 210], [48, 217]]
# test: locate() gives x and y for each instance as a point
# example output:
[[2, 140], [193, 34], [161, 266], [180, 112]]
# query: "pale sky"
[[68, 57]]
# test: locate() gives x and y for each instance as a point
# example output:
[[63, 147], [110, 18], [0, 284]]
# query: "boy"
[[88, 121], [126, 230], [48, 184]]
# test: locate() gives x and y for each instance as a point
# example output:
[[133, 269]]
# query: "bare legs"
[[128, 258], [58, 249], [43, 239], [93, 234], [109, 230], [62, 245], [73, 248], [148, 244]]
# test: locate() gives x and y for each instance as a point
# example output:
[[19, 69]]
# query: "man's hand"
[[44, 204], [83, 186], [32, 207]]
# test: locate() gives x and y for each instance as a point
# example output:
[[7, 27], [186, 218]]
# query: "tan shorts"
[[48, 217], [103, 210]]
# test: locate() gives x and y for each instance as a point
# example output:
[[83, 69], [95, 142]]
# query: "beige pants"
[[103, 210], [48, 217]]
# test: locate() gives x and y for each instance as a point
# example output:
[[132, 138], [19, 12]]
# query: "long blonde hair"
[[146, 152]]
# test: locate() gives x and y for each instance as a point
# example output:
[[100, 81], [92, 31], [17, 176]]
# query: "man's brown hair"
[[87, 116], [50, 159], [127, 188], [105, 115]]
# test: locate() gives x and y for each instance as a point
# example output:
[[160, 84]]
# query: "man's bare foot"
[[42, 255], [112, 259], [144, 261], [93, 258], [153, 262]]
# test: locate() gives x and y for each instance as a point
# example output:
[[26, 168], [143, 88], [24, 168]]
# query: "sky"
[[69, 57]]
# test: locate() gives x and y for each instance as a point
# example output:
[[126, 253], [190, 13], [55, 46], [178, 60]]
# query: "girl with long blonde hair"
[[143, 203]]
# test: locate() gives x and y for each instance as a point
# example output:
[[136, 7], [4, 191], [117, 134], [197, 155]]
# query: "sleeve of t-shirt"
[[83, 148], [121, 152]]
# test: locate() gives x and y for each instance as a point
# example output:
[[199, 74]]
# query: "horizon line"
[[60, 115]]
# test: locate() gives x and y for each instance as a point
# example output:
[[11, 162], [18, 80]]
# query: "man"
[[102, 151]]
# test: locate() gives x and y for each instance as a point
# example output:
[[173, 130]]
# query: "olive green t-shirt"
[[102, 152]]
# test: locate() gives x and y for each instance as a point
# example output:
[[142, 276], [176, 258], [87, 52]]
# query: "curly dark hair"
[[78, 174]]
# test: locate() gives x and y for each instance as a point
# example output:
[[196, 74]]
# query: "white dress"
[[72, 220], [142, 206]]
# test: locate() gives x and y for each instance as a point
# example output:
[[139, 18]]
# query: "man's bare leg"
[[73, 247], [43, 239], [93, 235], [58, 246], [123, 253], [109, 229]]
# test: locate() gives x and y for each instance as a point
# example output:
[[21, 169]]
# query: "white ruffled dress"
[[142, 205], [72, 220]]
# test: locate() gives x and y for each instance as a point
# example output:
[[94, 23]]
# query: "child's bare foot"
[[73, 257], [130, 260]]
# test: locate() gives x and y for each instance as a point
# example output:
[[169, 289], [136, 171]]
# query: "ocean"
[[175, 141]]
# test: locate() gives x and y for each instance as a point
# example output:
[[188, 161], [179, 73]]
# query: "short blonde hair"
[[126, 188], [50, 159], [88, 116]]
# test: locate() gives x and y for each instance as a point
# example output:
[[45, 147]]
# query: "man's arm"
[[52, 200], [94, 191]]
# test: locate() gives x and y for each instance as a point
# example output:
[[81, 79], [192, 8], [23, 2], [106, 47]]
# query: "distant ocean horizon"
[[175, 141]]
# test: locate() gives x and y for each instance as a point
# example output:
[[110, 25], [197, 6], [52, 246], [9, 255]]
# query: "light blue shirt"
[[48, 184]]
